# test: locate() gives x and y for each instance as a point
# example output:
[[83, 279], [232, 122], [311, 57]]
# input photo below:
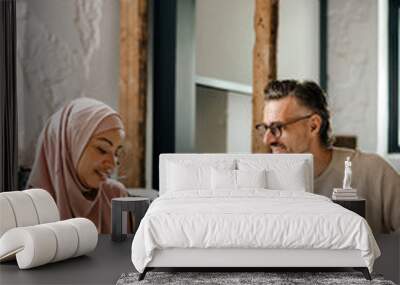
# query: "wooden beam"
[[133, 82], [264, 61]]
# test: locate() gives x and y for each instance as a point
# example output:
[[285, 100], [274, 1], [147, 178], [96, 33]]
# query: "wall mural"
[[53, 65], [69, 131]]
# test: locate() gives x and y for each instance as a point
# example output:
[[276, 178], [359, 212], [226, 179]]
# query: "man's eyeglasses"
[[276, 128]]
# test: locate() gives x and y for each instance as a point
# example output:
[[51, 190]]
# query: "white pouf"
[[31, 233]]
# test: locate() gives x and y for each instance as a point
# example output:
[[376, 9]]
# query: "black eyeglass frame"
[[276, 128]]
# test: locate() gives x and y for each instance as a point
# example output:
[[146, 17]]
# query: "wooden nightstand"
[[357, 205]]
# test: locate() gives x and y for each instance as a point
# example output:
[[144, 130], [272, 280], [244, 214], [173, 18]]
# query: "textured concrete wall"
[[224, 46], [352, 69], [65, 49]]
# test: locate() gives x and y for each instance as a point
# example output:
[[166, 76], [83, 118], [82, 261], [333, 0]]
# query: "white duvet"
[[250, 219]]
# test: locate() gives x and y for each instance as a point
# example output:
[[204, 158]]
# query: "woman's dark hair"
[[308, 94]]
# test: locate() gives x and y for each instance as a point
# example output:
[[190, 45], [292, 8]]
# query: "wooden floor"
[[111, 259]]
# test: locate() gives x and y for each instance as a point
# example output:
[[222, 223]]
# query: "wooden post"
[[264, 61], [133, 81]]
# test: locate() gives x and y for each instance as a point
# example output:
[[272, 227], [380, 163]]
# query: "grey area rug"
[[225, 278]]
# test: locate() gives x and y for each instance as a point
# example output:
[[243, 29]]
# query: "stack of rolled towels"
[[344, 194], [31, 231]]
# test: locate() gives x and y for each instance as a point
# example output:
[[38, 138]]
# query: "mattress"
[[250, 219]]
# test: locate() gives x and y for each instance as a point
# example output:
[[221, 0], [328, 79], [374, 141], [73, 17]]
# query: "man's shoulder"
[[342, 151], [364, 159]]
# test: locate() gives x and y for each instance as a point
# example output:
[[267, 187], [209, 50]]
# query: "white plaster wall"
[[65, 49], [239, 112], [224, 39], [352, 69], [298, 40], [211, 120]]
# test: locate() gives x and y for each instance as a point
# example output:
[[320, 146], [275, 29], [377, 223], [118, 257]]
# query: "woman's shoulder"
[[113, 188]]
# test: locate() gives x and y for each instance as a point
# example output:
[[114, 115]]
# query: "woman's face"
[[99, 158]]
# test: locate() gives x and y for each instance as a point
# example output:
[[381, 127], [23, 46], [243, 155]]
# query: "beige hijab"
[[59, 149]]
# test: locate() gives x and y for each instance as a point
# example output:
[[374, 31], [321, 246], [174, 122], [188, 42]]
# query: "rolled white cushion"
[[67, 239], [7, 218], [40, 244], [87, 235], [26, 208], [45, 205], [33, 246], [23, 208]]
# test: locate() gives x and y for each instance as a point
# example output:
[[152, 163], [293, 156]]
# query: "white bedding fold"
[[250, 218]]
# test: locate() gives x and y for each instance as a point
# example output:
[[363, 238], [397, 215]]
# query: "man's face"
[[294, 138]]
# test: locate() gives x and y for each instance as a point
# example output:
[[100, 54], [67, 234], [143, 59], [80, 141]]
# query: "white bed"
[[213, 212]]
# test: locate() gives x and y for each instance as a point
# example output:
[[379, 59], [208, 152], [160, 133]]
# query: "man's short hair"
[[308, 94]]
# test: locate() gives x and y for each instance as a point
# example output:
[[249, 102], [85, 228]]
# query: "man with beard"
[[297, 120]]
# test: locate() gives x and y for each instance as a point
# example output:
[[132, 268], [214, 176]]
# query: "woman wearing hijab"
[[76, 154]]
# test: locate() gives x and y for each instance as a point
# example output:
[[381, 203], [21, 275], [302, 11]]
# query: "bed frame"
[[242, 259], [246, 258]]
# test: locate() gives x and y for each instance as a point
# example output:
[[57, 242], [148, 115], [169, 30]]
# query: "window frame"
[[393, 45]]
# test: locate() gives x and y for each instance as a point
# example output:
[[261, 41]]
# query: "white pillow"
[[291, 178], [237, 179], [281, 174], [223, 179], [251, 178], [192, 174]]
